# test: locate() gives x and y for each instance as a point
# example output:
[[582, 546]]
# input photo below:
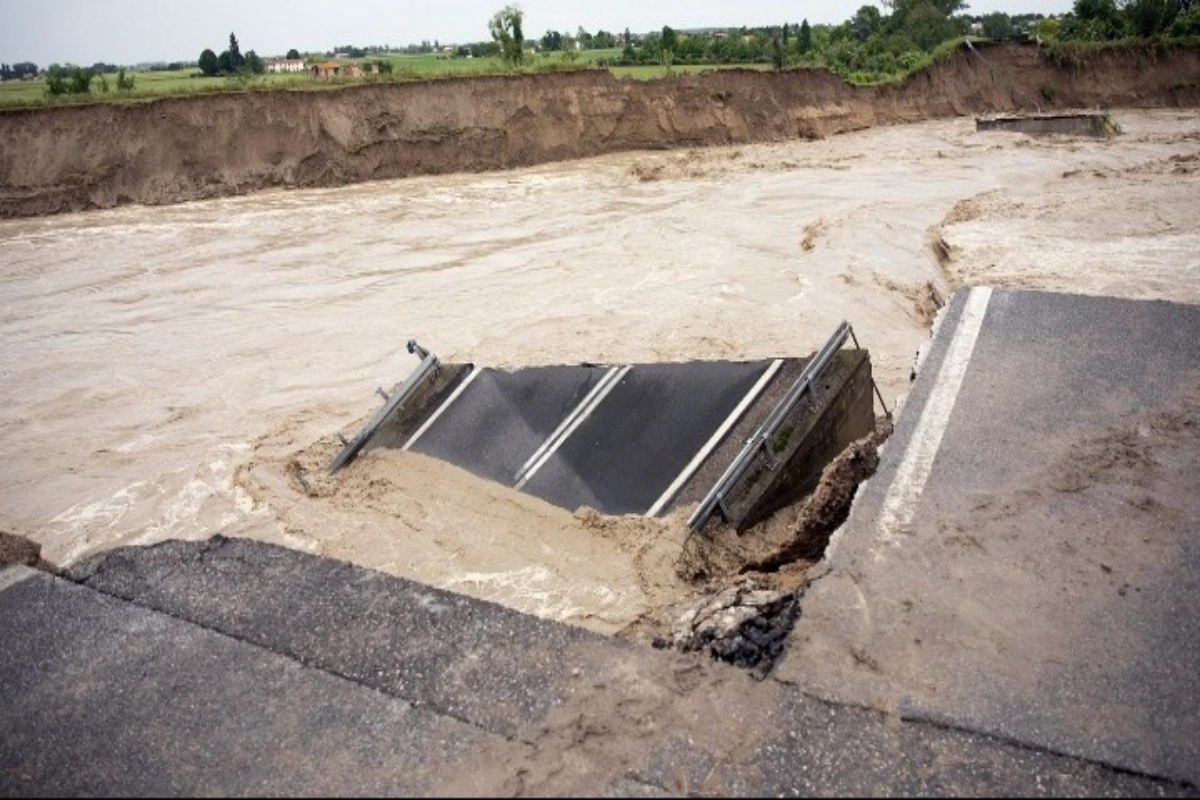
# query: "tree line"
[[1108, 20], [16, 72], [231, 62], [871, 45]]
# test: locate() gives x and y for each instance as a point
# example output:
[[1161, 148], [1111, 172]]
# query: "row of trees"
[[16, 72], [554, 41], [870, 41], [1106, 20], [231, 62], [869, 45]]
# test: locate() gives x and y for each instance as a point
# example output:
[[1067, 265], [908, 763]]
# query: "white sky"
[[133, 31]]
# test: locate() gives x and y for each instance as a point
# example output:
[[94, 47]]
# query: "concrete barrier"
[[1097, 124]]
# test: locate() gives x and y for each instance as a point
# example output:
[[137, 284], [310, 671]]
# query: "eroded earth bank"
[[171, 150]]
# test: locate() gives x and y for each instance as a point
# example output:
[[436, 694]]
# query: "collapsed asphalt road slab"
[[1025, 562], [611, 438], [636, 439], [233, 667]]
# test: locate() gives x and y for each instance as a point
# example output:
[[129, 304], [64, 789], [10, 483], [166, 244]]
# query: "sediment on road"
[[63, 159]]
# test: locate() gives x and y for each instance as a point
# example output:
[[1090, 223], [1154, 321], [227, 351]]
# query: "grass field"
[[18, 94], [146, 85]]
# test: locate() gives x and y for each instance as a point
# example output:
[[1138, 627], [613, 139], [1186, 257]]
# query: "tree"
[[293, 54], [628, 54], [998, 26], [866, 21], [776, 53], [1148, 17], [208, 63], [670, 41], [553, 40], [505, 27], [235, 54], [1093, 21], [225, 63], [1096, 9], [1186, 24], [928, 26], [254, 64], [805, 40], [1046, 30]]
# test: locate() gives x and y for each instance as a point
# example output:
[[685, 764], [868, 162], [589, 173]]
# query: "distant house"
[[330, 69], [285, 65]]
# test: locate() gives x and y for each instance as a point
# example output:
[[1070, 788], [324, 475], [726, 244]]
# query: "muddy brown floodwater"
[[176, 372]]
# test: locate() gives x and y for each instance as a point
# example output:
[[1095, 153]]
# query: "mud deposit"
[[19, 550], [181, 371]]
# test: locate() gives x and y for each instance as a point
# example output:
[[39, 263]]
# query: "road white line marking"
[[900, 502], [462, 387], [566, 423], [716, 438], [597, 398]]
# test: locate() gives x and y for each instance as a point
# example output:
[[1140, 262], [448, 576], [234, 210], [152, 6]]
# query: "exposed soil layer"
[[748, 587], [178, 149], [797, 534]]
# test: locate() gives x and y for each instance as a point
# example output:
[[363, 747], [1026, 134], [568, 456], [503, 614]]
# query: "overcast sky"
[[132, 31]]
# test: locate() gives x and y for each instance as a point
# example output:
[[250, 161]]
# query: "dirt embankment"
[[171, 150]]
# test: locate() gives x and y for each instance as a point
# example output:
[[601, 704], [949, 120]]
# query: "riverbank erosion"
[[63, 159]]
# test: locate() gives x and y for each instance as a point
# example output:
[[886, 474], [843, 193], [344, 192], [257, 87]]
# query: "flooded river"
[[166, 371]]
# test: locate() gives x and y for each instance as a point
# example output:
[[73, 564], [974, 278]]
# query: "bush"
[[1187, 23], [76, 80], [124, 84]]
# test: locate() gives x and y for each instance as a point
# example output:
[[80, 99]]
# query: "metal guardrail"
[[427, 367], [760, 441]]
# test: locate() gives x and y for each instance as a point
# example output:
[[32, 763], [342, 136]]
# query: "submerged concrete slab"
[[1025, 562], [1089, 123]]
